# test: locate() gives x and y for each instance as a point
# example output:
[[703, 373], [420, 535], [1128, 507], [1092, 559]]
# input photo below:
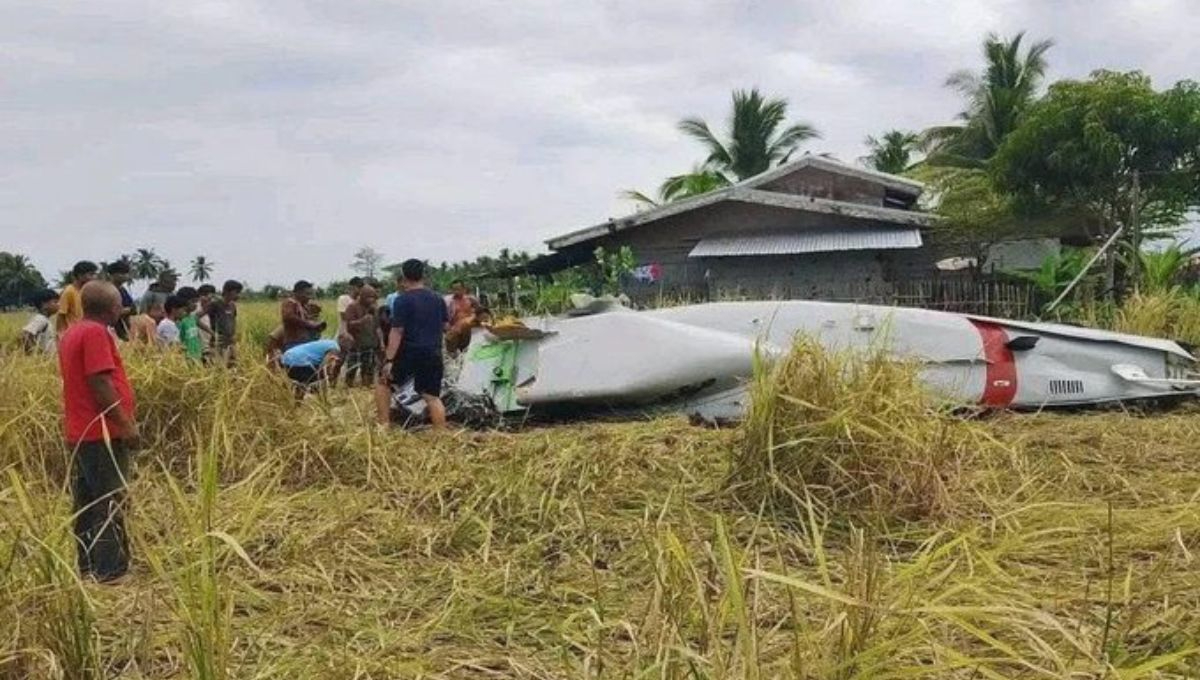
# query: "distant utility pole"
[[1135, 201]]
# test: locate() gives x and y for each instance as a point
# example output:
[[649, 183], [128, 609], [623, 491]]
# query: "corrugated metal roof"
[[809, 241]]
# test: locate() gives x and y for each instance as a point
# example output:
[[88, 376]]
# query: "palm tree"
[[164, 267], [699, 181], [757, 138], [201, 269], [13, 266], [146, 263], [892, 152], [18, 279], [996, 101]]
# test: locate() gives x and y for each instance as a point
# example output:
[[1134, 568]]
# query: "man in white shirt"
[[345, 300], [38, 335], [168, 328]]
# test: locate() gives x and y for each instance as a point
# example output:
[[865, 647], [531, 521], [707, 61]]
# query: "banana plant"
[[1056, 272], [1161, 270]]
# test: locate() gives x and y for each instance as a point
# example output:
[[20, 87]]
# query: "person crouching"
[[310, 365]]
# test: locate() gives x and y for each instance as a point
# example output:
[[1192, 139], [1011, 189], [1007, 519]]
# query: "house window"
[[895, 199]]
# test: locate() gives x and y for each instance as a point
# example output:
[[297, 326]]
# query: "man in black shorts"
[[414, 348]]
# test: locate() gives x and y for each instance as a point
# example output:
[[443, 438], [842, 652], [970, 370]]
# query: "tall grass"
[[1173, 314], [854, 431], [276, 539]]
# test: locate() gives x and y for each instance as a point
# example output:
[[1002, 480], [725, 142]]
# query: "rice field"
[[850, 529]]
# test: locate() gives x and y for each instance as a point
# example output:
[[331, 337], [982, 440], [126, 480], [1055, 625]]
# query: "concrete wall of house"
[[837, 275], [812, 181], [816, 276], [1020, 254]]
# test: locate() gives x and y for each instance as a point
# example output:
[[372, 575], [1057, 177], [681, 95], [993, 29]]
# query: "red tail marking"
[[1000, 382]]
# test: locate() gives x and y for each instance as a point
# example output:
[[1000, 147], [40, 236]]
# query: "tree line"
[[19, 279], [1107, 157]]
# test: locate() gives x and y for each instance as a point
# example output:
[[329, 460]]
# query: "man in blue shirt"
[[311, 364], [119, 273], [414, 349]]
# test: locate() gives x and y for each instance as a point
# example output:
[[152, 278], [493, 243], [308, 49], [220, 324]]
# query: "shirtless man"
[[300, 317], [462, 307], [362, 325], [143, 328]]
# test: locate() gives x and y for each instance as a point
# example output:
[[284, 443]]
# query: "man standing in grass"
[[98, 409], [222, 316], [119, 273], [38, 334], [346, 299], [189, 333], [300, 325], [203, 321], [168, 329], [158, 291], [419, 319], [143, 328], [362, 324], [70, 307], [189, 324]]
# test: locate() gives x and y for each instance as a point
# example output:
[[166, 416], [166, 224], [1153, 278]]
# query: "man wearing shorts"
[[414, 348], [310, 365]]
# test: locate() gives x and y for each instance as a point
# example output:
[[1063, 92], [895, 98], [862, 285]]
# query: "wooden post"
[[1135, 234]]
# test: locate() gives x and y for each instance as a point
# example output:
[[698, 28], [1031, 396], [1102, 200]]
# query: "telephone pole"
[[1135, 229]]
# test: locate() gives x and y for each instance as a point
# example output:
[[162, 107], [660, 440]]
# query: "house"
[[811, 228]]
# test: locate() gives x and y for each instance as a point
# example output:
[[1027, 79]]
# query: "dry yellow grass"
[[276, 540], [855, 432], [1170, 314]]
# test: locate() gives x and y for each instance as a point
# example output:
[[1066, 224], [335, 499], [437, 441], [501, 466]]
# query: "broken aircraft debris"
[[697, 359]]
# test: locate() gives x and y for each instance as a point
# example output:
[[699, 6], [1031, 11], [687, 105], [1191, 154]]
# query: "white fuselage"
[[698, 358]]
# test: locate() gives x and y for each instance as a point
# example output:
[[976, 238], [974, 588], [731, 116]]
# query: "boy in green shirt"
[[189, 334], [189, 325]]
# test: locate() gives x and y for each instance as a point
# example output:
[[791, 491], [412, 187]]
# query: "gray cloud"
[[276, 137]]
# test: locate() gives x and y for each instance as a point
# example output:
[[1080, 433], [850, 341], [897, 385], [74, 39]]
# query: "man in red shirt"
[[98, 409]]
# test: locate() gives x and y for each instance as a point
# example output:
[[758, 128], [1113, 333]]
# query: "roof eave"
[[829, 207], [614, 225]]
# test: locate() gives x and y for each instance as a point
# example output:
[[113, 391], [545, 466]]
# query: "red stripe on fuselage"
[[1000, 381]]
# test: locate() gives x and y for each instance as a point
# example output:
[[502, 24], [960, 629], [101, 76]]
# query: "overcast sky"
[[277, 137]]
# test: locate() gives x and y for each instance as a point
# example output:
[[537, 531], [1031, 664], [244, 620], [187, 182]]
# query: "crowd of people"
[[388, 344], [196, 321]]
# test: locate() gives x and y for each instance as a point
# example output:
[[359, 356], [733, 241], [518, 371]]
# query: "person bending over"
[[310, 365]]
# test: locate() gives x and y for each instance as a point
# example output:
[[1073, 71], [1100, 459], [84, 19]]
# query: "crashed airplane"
[[697, 359]]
